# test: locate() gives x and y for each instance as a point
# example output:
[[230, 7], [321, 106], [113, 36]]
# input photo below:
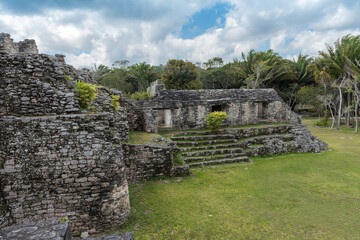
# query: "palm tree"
[[259, 69], [99, 72], [345, 49], [144, 74], [322, 76], [354, 71]]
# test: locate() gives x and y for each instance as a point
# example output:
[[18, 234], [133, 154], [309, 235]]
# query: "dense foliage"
[[215, 119], [86, 93], [180, 74], [139, 95], [329, 84], [115, 102]]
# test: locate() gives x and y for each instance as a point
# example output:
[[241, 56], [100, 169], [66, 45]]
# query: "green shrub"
[[322, 123], [115, 102], [140, 96], [64, 220], [178, 160], [67, 78], [86, 93], [215, 119]]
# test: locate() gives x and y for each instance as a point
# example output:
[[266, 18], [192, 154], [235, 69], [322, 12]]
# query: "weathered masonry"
[[55, 159], [186, 109]]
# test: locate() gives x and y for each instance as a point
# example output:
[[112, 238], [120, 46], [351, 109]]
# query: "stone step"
[[193, 133], [212, 152], [210, 142], [208, 158], [233, 145], [260, 139], [204, 137], [215, 162]]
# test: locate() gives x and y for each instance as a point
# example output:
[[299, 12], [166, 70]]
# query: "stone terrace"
[[199, 148]]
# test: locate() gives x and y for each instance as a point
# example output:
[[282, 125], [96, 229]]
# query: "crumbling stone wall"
[[50, 230], [146, 161], [7, 45], [240, 133], [135, 115], [68, 165], [244, 106], [57, 160], [277, 140], [35, 85]]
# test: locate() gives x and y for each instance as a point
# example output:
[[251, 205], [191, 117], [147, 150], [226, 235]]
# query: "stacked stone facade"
[[57, 160], [146, 161], [64, 166], [7, 45], [186, 109]]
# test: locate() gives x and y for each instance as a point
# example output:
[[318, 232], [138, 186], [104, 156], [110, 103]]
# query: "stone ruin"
[[56, 160], [8, 46], [59, 161]]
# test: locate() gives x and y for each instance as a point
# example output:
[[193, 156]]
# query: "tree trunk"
[[348, 110], [356, 114], [332, 117], [340, 103]]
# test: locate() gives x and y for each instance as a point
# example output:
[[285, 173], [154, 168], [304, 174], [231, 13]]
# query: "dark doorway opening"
[[262, 110], [164, 118], [216, 108]]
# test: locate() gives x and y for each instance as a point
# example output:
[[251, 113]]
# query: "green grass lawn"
[[291, 196], [139, 137]]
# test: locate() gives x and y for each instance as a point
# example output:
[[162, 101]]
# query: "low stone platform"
[[201, 148], [50, 230]]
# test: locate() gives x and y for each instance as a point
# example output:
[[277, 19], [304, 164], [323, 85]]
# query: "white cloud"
[[342, 17], [278, 41], [89, 36], [311, 42]]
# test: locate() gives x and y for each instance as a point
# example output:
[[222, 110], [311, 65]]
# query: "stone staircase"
[[199, 148], [205, 148]]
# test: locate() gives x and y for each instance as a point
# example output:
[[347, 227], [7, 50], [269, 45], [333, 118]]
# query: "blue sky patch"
[[205, 19]]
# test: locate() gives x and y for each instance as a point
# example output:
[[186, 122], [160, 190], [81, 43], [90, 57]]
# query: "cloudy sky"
[[103, 31]]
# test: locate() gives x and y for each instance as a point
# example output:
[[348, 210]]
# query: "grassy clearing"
[[291, 196], [139, 137], [178, 160], [171, 133]]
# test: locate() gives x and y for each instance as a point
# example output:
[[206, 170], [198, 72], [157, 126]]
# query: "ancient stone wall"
[[49, 230], [68, 165], [135, 115], [188, 96], [240, 133], [56, 159], [52, 230], [35, 85], [146, 161], [7, 45], [243, 106], [277, 140]]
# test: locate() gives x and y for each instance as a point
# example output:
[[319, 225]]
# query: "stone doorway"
[[164, 118], [216, 108], [262, 110]]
